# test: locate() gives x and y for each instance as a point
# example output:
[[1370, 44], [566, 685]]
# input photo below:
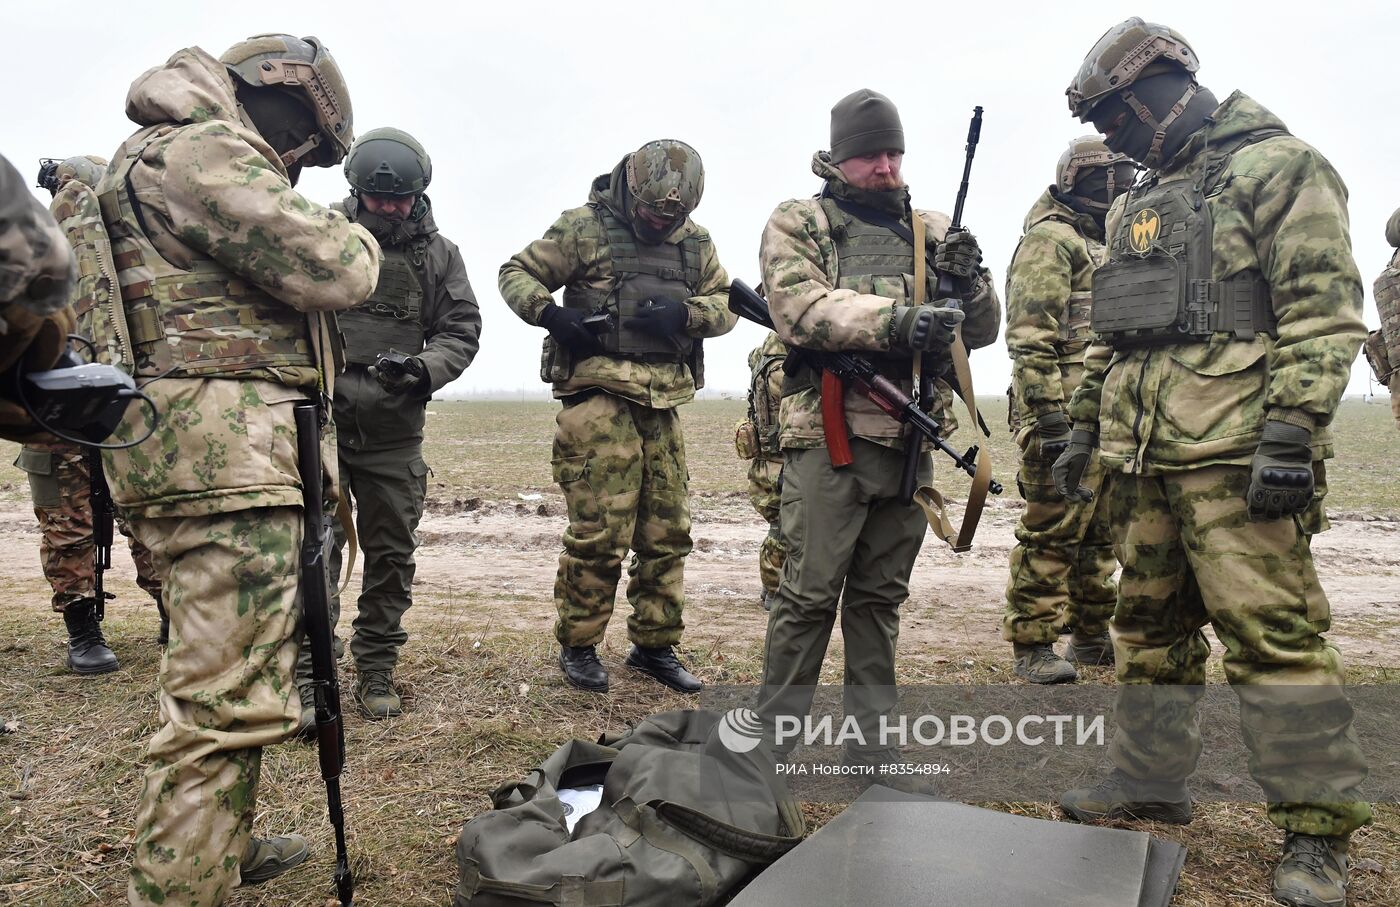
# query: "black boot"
[[88, 652], [583, 669], [660, 664], [163, 639]]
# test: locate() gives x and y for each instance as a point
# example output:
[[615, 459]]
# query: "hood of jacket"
[[421, 224], [1237, 115], [1048, 207]]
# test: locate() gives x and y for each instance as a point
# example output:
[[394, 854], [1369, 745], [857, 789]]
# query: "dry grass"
[[485, 705]]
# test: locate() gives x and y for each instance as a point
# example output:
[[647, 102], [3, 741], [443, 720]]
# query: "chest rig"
[[1157, 287], [391, 318], [640, 272], [202, 322]]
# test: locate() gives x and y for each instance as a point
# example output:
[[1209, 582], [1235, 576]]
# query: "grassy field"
[[485, 704]]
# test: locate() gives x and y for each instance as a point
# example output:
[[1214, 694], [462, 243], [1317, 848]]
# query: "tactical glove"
[[411, 379], [1280, 475], [660, 317], [1070, 465], [1052, 431], [567, 328], [925, 328], [958, 255]]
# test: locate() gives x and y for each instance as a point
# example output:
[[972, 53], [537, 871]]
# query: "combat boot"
[[1089, 650], [1039, 664], [1122, 797], [581, 666], [306, 725], [1313, 871], [88, 652], [376, 696], [661, 665], [268, 858]]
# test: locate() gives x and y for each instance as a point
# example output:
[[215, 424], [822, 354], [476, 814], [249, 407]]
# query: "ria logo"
[[740, 730]]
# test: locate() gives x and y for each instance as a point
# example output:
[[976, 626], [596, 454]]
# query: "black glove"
[[567, 329], [660, 317], [1052, 431], [411, 378], [926, 328], [958, 255], [1280, 475], [1070, 465]]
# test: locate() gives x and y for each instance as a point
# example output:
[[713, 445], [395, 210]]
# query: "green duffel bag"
[[680, 819]]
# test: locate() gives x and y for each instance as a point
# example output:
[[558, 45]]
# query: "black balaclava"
[[281, 118], [1158, 93]]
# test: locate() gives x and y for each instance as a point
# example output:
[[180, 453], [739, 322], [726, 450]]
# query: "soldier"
[[1383, 345], [60, 483], [643, 287], [1062, 567], [423, 308], [37, 273], [1210, 411], [765, 454], [224, 272], [838, 270]]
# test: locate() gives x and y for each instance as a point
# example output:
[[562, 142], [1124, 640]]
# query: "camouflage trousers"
[[1191, 557], [1062, 565], [622, 469], [226, 691], [765, 490], [60, 485]]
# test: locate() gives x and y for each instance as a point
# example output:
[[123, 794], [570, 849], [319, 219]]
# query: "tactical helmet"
[[86, 169], [1121, 56], [303, 67], [388, 162], [1088, 152], [666, 177]]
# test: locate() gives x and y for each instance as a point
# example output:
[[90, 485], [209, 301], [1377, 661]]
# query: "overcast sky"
[[522, 104]]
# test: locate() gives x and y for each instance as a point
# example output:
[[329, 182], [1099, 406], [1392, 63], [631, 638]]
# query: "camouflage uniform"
[[1062, 567], [379, 436], [200, 210], [59, 477], [766, 469], [1383, 345], [1178, 426], [36, 274], [619, 456], [850, 539], [59, 483]]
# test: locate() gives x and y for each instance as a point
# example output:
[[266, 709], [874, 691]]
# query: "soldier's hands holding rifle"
[[958, 255], [926, 328]]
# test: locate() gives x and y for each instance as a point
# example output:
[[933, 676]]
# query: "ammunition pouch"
[[1387, 293], [746, 443], [1378, 357]]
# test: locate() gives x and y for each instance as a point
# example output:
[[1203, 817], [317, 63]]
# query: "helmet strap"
[[1159, 137], [291, 157]]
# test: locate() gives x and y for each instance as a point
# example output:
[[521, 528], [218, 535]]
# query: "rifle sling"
[[330, 361]]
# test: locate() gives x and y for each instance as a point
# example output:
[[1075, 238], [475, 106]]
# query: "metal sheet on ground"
[[890, 848], [1164, 862]]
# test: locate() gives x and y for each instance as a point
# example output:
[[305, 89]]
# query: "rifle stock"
[[315, 603], [881, 391]]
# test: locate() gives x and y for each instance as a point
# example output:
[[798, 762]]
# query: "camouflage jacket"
[[574, 252], [1048, 288], [813, 308], [766, 392], [1279, 208], [209, 186], [367, 417]]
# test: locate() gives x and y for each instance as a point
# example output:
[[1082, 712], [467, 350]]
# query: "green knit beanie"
[[863, 122]]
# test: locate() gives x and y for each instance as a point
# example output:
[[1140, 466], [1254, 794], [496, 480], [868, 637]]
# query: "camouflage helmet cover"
[[86, 169], [667, 177], [388, 161], [304, 67], [1086, 153], [1121, 56]]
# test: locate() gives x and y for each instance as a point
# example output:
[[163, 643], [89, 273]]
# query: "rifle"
[[316, 540], [848, 367], [104, 515], [948, 288]]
